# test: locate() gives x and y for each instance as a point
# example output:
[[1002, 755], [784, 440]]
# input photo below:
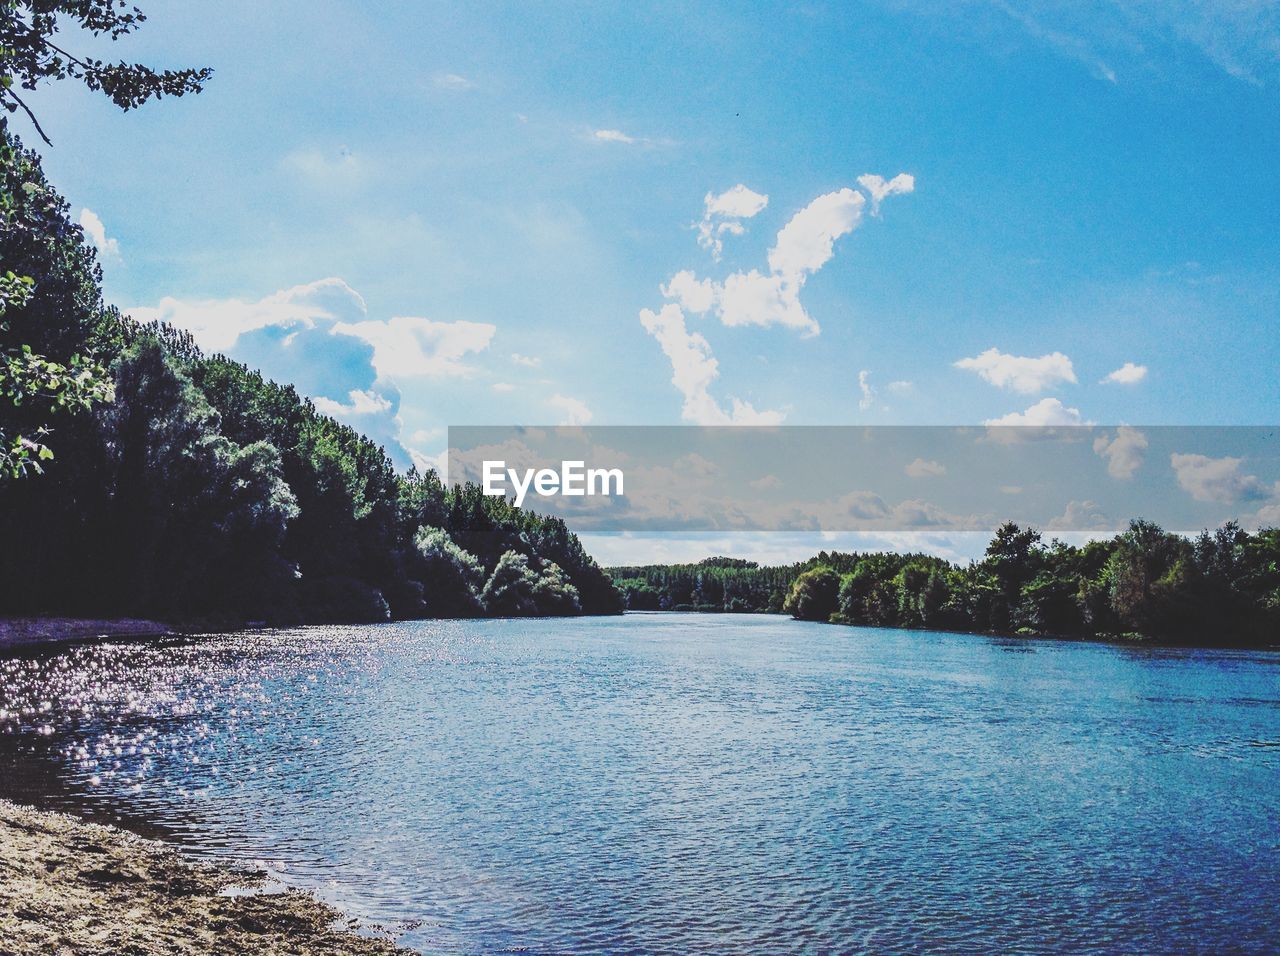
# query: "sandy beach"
[[67, 886]]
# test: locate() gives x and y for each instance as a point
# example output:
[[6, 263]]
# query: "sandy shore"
[[72, 887], [22, 631]]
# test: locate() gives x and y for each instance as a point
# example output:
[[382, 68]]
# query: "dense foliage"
[[189, 487], [29, 55], [1219, 588]]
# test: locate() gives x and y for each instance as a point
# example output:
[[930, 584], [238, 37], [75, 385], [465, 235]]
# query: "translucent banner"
[[841, 478]]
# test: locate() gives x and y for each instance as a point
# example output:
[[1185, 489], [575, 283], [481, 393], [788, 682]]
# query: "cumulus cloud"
[[360, 402], [807, 242], [802, 247], [752, 298], [409, 346], [694, 368], [573, 411], [724, 214], [767, 483], [1048, 412], [1126, 374], [925, 469], [900, 387], [1124, 451], [319, 338], [1081, 516], [1021, 373], [528, 361], [1219, 480], [96, 233], [216, 324]]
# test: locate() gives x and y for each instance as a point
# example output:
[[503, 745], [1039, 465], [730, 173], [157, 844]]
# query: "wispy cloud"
[[452, 81], [868, 391], [921, 468], [1126, 374], [613, 136]]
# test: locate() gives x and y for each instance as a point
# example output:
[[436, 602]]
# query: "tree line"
[[190, 487], [1220, 588]]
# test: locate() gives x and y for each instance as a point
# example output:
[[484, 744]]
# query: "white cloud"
[[749, 298], [1126, 374], [1081, 516], [880, 189], [96, 233], [360, 402], [1219, 480], [807, 242], [503, 387], [216, 324], [1021, 373], [453, 81], [1123, 452], [925, 469], [802, 247], [424, 435], [767, 483], [694, 295], [408, 346], [574, 411], [694, 368], [868, 391], [1048, 412], [900, 387], [528, 361], [724, 214], [612, 136]]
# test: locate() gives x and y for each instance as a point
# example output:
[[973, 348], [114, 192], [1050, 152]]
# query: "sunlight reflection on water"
[[675, 782]]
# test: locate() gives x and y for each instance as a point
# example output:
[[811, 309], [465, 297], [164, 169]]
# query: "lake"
[[677, 783]]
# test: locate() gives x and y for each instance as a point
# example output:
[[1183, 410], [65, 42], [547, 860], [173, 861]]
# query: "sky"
[[429, 214]]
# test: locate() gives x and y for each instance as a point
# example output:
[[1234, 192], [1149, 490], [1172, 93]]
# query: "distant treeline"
[[203, 492], [1221, 588]]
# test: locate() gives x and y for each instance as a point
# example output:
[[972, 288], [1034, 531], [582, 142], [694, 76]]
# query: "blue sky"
[[431, 214]]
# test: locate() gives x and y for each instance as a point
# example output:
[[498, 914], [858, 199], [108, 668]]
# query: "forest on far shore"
[[1220, 588], [142, 478]]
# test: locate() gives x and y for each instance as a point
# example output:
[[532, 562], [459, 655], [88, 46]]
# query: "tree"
[[510, 590], [814, 595], [453, 576], [1149, 575], [36, 238], [29, 56]]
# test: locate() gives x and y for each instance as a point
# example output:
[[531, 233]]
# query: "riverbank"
[[29, 631], [72, 887]]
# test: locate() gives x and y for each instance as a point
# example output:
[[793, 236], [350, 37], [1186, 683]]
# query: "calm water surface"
[[676, 783]]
